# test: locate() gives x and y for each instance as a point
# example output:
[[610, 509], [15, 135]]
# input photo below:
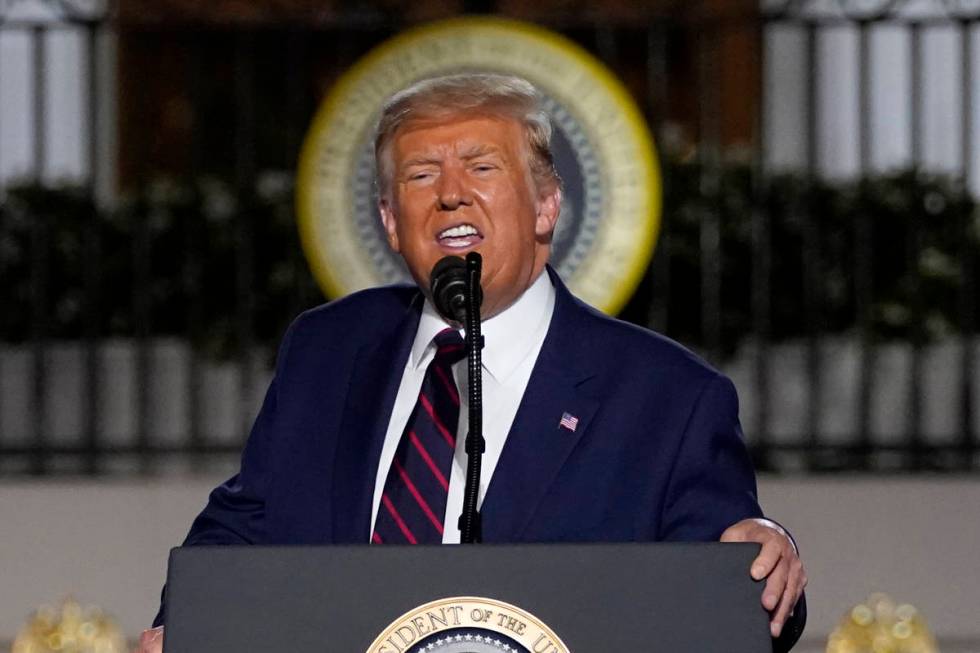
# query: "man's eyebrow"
[[478, 151], [420, 161]]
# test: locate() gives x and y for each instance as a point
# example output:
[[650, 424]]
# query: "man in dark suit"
[[596, 430]]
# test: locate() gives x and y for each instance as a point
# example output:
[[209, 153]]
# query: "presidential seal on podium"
[[467, 625]]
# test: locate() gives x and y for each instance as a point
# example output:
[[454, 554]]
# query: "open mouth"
[[459, 236]]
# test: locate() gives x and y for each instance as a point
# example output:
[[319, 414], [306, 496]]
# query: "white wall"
[[106, 544], [890, 79], [66, 87]]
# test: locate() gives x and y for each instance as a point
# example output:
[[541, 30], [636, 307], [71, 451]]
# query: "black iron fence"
[[137, 326]]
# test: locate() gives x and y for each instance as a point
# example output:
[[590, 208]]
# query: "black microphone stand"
[[471, 530]]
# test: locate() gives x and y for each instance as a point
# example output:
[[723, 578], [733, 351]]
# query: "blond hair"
[[472, 93]]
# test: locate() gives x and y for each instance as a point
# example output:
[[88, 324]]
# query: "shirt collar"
[[509, 336]]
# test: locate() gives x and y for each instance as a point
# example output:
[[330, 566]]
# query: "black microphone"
[[448, 284], [457, 294]]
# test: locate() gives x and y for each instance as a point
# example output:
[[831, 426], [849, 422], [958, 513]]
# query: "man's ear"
[[549, 205], [390, 224]]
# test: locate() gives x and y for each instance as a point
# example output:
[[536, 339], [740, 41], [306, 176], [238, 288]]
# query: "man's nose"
[[453, 192]]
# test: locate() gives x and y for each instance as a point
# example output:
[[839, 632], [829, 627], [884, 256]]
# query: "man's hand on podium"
[[778, 562], [151, 641]]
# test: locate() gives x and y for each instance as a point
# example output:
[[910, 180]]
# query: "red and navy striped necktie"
[[413, 503]]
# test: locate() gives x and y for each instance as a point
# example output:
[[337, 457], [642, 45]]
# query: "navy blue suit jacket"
[[657, 453]]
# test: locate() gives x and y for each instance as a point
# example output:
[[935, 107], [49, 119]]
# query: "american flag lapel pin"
[[568, 421]]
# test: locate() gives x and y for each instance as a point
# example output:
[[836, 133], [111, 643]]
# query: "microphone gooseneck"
[[470, 522], [457, 295]]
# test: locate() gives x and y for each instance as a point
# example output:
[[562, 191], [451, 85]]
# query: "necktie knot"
[[449, 346]]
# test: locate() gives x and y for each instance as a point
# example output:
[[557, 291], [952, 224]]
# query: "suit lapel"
[[538, 446], [371, 396]]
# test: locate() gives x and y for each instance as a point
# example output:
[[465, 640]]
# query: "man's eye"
[[484, 167], [416, 176]]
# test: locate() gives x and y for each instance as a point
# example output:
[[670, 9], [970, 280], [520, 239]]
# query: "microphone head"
[[448, 285]]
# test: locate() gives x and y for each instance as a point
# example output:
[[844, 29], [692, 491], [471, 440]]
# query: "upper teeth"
[[461, 230]]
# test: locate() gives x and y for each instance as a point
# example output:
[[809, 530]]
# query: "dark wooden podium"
[[594, 598]]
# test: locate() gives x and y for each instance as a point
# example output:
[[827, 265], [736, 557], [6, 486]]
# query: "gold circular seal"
[[467, 624], [604, 152]]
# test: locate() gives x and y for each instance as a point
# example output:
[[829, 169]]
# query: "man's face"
[[463, 184]]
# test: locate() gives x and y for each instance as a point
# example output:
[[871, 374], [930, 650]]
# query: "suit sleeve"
[[235, 511], [712, 484]]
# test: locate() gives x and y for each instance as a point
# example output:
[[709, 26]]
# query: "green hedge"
[[920, 234], [170, 253], [166, 263]]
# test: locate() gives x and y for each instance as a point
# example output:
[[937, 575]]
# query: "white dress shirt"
[[513, 339]]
